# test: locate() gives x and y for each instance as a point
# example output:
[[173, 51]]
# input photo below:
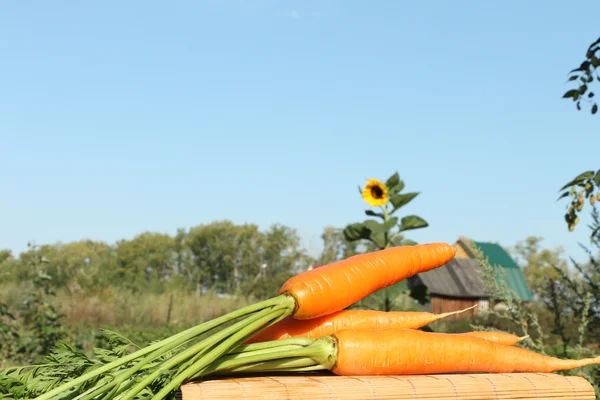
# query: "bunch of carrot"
[[366, 342], [306, 328]]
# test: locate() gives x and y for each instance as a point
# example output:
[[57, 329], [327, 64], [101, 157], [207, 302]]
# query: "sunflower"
[[375, 193]]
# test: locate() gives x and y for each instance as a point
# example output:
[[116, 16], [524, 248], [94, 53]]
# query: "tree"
[[538, 264], [584, 186], [214, 250], [335, 246], [584, 76], [7, 265], [147, 256], [588, 182]]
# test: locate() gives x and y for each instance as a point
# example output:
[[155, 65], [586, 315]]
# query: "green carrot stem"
[[219, 350], [244, 327], [322, 351], [161, 345], [238, 360], [281, 365], [92, 392], [247, 354], [127, 373], [294, 341], [256, 346], [260, 368], [191, 352]]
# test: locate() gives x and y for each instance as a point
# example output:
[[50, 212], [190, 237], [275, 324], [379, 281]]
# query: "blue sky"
[[123, 117]]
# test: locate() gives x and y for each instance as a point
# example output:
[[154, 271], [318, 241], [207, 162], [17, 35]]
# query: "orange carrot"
[[407, 351], [497, 336], [389, 352], [335, 286], [348, 319]]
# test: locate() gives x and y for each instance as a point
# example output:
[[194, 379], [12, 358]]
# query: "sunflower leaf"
[[378, 240], [393, 180], [396, 189], [407, 242], [356, 231], [394, 184], [371, 213], [390, 223], [412, 222], [374, 226], [400, 200]]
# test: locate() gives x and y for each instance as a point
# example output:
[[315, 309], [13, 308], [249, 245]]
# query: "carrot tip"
[[444, 315], [523, 338]]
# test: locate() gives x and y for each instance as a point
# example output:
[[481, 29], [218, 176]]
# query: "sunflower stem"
[[386, 217]]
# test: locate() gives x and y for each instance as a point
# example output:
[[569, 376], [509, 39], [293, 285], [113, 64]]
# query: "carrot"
[[498, 337], [335, 286], [389, 352], [348, 319], [404, 352]]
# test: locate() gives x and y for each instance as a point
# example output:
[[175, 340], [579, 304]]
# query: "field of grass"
[[142, 317]]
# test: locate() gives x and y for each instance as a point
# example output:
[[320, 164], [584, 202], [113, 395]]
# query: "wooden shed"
[[459, 285], [507, 268], [455, 286]]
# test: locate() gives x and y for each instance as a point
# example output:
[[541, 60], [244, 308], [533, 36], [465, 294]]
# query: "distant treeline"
[[220, 256]]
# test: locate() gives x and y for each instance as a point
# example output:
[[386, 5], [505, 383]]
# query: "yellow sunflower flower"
[[375, 193]]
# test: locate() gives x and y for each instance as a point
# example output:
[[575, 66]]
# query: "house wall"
[[441, 304]]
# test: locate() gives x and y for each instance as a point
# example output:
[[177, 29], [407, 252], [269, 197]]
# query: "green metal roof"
[[495, 254], [498, 257], [515, 280]]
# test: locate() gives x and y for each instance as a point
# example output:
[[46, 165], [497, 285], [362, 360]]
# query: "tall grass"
[[142, 317], [118, 307]]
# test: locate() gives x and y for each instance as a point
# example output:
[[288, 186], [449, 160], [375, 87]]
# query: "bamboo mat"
[[323, 386]]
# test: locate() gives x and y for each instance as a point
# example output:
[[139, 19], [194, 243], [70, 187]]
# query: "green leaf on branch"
[[356, 231], [378, 240], [400, 200], [390, 223], [374, 226], [580, 178], [393, 180], [394, 184], [408, 242], [412, 222], [594, 233], [396, 189], [597, 178], [594, 108], [373, 214], [565, 194], [571, 93]]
